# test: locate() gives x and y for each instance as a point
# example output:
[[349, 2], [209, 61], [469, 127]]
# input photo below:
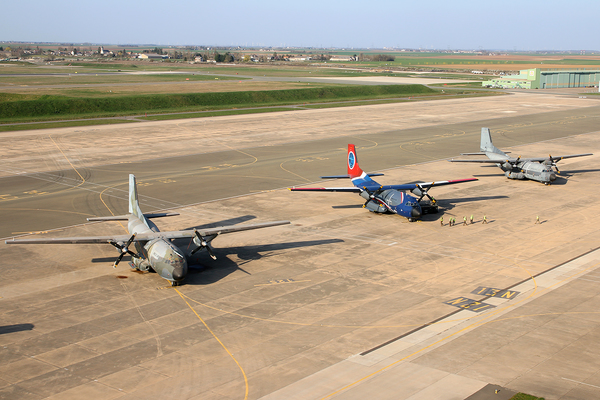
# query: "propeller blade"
[[118, 260], [516, 163], [425, 193], [123, 249], [210, 252], [203, 245], [553, 163]]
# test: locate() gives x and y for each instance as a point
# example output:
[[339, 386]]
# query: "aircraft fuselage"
[[393, 201], [160, 255], [526, 170]]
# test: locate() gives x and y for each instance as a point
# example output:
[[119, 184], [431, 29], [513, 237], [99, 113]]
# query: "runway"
[[288, 311]]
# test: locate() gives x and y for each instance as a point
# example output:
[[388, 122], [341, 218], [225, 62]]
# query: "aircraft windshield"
[[393, 198]]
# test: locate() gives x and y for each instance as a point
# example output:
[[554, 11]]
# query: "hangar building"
[[537, 78]]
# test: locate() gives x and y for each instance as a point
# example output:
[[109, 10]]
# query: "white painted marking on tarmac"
[[589, 280], [581, 383]]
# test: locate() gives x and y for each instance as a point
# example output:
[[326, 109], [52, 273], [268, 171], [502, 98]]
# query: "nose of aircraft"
[[415, 213], [179, 272]]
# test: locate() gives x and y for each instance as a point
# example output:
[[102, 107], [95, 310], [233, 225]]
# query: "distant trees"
[[373, 57], [382, 57], [322, 57], [226, 58]]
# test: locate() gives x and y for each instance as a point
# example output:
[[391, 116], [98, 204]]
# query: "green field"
[[523, 396], [75, 90], [19, 108]]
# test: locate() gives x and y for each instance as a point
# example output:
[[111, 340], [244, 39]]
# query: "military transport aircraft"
[[537, 169], [154, 249], [386, 198]]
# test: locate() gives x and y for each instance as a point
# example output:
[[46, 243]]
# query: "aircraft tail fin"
[[134, 205], [354, 170], [486, 142]]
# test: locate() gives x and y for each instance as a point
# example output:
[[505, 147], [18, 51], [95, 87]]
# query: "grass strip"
[[49, 106], [63, 124], [204, 114], [524, 396]]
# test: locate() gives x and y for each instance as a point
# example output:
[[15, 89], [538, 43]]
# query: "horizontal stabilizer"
[[501, 161], [161, 215], [110, 218], [348, 176], [126, 217], [481, 153]]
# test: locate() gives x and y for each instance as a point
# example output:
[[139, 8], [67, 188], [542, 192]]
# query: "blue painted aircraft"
[[391, 199]]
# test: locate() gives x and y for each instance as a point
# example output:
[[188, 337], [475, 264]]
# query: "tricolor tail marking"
[[354, 170]]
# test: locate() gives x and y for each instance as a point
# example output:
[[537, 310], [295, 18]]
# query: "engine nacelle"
[[197, 241], [365, 195], [514, 175], [140, 263], [417, 192], [507, 166], [374, 206]]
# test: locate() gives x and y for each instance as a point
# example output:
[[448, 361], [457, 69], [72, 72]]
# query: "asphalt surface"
[[32, 200], [290, 311]]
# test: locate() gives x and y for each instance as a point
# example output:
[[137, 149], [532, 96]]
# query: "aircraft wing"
[[322, 189], [487, 160], [74, 240], [556, 158], [428, 185], [143, 237], [425, 185], [214, 231]]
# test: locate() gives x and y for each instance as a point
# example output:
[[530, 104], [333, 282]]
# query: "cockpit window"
[[393, 198]]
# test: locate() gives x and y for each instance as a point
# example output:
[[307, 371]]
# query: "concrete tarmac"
[[340, 304]]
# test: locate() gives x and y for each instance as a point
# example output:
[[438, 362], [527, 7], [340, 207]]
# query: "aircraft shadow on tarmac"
[[487, 175], [348, 206], [449, 204], [204, 271], [15, 328], [231, 221]]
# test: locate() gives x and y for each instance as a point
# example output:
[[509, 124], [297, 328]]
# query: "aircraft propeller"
[[424, 193], [124, 249], [550, 161], [202, 244]]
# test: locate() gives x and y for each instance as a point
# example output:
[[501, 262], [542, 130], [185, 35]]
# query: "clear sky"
[[428, 24]]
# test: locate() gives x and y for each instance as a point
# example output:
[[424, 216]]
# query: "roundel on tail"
[[351, 159]]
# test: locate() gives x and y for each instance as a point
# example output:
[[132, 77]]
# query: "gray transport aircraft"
[[155, 250], [537, 169]]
